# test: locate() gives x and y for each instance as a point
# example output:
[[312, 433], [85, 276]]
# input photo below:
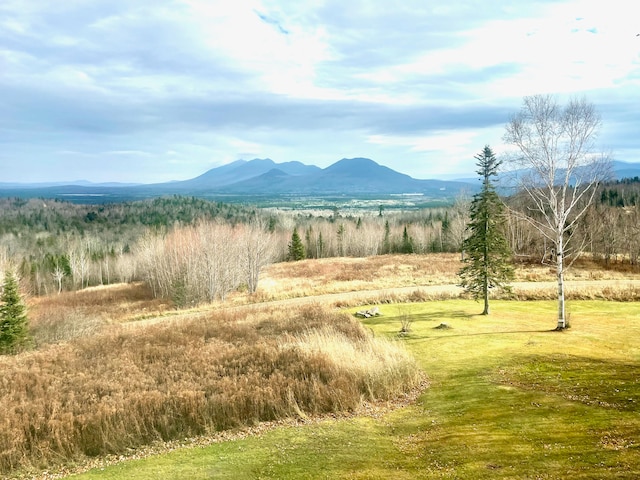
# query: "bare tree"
[[58, 274], [458, 221], [555, 146], [256, 251], [78, 263]]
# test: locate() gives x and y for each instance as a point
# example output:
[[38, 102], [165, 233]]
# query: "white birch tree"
[[555, 146]]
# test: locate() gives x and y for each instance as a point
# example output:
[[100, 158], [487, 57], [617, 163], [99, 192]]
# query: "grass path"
[[508, 399], [427, 291]]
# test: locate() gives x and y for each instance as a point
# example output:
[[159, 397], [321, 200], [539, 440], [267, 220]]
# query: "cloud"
[[211, 81]]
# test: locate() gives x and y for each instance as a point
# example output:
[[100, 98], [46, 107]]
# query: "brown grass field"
[[94, 387], [333, 275]]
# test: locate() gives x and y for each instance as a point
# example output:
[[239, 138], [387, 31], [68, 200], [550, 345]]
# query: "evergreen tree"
[[487, 262], [340, 234], [407, 242], [272, 224], [296, 247], [14, 330], [308, 238], [320, 246], [386, 243]]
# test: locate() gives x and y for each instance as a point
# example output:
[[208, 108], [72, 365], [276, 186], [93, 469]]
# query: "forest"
[[191, 250]]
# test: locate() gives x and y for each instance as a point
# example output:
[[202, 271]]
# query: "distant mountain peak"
[[365, 169], [275, 172], [356, 161], [261, 160]]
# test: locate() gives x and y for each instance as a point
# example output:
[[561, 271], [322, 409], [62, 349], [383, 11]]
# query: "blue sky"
[[157, 90]]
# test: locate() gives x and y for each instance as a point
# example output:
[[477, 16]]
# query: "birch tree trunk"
[[562, 321]]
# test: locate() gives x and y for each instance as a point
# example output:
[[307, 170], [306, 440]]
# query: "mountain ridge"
[[348, 176]]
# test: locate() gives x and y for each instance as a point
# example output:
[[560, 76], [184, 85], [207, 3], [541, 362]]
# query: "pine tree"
[[308, 238], [14, 330], [487, 262], [320, 245], [340, 234], [407, 242], [296, 247], [386, 243]]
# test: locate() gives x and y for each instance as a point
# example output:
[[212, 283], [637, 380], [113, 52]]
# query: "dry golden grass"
[[371, 362], [124, 388], [585, 268], [57, 318], [597, 290], [344, 274]]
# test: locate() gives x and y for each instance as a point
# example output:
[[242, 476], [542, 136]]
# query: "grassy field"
[[333, 275], [507, 397]]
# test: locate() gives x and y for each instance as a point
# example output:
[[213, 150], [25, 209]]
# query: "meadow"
[[506, 397]]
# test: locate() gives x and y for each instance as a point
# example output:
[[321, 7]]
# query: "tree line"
[[50, 254], [56, 246]]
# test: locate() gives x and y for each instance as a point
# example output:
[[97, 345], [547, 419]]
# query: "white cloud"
[[197, 83], [263, 41]]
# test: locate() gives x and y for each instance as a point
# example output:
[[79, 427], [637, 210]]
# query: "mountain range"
[[347, 176], [354, 176]]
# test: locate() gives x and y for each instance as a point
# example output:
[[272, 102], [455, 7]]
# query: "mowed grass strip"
[[509, 398], [123, 389]]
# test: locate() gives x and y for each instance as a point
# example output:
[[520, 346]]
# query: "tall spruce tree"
[[296, 247], [407, 242], [487, 260], [14, 329]]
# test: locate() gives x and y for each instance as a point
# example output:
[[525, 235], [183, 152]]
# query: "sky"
[[157, 90]]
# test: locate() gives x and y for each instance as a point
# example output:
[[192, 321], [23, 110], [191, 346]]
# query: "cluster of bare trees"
[[85, 261], [607, 234], [207, 261], [233, 251], [427, 231], [204, 262]]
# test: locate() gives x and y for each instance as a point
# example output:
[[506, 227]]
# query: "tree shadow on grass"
[[483, 334], [417, 318], [440, 317]]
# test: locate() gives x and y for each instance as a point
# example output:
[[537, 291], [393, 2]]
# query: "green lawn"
[[509, 398]]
